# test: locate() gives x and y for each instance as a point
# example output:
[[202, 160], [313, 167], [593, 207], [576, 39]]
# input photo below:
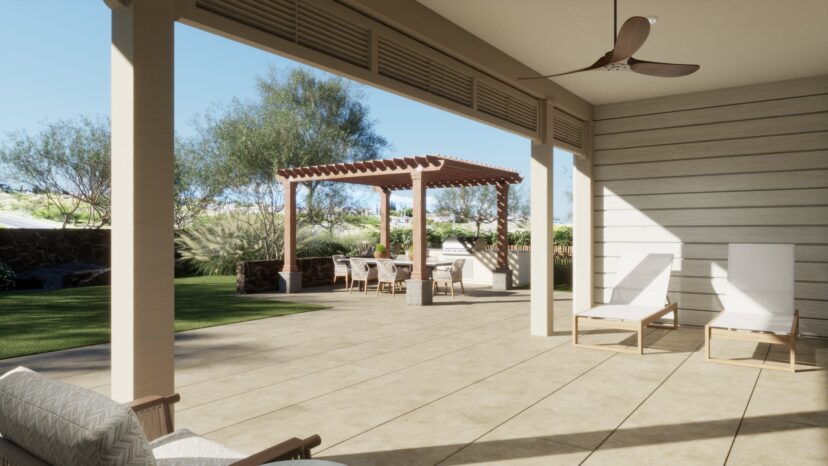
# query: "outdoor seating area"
[[461, 382], [628, 267]]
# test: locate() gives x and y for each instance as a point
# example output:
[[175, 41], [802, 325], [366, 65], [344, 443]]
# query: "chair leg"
[[452, 290], [462, 290], [351, 288], [379, 287], [641, 339], [707, 335], [574, 329]]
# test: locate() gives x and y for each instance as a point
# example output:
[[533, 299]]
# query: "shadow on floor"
[[550, 445]]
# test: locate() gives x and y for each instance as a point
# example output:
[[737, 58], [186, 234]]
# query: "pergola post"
[[142, 302], [541, 269], [502, 275], [385, 219], [418, 288], [290, 278]]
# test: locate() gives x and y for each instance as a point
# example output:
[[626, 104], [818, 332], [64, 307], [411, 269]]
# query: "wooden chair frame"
[[156, 416], [346, 276], [633, 325], [756, 336]]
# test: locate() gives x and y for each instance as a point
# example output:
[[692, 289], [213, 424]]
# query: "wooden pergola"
[[417, 174]]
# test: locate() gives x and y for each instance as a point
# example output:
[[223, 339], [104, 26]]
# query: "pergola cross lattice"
[[417, 174]]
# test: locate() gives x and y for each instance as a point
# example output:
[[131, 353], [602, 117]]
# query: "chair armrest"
[[290, 449], [155, 414]]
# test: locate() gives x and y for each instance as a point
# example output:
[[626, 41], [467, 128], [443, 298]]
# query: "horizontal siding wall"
[[689, 174]]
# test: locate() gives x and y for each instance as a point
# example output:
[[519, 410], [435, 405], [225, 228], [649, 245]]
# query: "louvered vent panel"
[[402, 64], [326, 33], [506, 107], [408, 66], [451, 84], [277, 17], [568, 129], [301, 23]]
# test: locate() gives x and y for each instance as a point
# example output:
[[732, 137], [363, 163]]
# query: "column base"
[[418, 292], [502, 280], [290, 282]]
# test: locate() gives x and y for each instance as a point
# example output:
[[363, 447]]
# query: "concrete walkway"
[[462, 382]]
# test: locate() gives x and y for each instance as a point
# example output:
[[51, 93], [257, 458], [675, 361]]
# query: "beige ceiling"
[[736, 42]]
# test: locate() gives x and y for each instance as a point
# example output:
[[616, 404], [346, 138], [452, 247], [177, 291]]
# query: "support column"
[[502, 275], [142, 303], [582, 218], [385, 219], [418, 288], [290, 278], [542, 280]]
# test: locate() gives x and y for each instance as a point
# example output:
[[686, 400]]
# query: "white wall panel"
[[689, 174]]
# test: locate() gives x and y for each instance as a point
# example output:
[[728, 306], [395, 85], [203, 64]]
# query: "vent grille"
[[398, 62], [301, 23], [568, 129], [499, 104]]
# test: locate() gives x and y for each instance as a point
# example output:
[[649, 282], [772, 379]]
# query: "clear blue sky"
[[54, 64]]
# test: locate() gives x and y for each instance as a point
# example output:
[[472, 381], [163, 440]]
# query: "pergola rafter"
[[417, 173]]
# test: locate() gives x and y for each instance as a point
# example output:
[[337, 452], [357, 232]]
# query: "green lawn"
[[36, 322]]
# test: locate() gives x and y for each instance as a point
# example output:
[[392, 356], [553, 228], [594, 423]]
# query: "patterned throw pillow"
[[68, 425]]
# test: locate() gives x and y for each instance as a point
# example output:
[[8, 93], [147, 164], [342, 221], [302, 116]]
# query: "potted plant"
[[380, 251]]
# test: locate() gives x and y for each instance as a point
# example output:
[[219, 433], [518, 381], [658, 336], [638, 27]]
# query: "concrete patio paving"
[[462, 382]]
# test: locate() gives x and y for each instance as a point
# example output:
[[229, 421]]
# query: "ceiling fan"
[[630, 38]]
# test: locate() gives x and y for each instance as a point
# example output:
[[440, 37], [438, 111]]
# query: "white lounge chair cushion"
[[642, 279], [621, 312], [774, 323], [185, 448]]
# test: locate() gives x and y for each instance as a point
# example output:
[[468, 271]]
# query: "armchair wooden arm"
[[291, 449], [155, 413]]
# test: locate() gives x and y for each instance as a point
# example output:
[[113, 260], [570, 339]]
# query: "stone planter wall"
[[27, 249], [263, 276]]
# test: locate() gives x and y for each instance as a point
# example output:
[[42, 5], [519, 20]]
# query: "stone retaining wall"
[[27, 249], [263, 276]]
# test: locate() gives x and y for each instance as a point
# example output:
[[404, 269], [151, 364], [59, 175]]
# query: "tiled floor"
[[462, 382]]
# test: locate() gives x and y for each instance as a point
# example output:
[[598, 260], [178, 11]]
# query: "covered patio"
[[460, 382], [736, 154], [417, 174]]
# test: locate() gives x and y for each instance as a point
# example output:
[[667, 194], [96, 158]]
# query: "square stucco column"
[[582, 218], [290, 278], [418, 288], [541, 270], [142, 199]]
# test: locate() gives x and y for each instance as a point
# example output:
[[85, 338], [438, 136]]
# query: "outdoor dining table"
[[404, 263]]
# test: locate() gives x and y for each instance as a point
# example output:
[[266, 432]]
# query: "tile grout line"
[[420, 342], [448, 394], [368, 380], [747, 405], [529, 407], [652, 392]]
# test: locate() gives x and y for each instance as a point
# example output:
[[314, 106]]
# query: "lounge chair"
[[389, 274], [759, 301], [45, 422], [639, 298], [449, 276], [341, 269], [361, 272]]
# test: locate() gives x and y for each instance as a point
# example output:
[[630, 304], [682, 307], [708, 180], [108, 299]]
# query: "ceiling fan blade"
[[664, 70], [601, 62], [630, 38]]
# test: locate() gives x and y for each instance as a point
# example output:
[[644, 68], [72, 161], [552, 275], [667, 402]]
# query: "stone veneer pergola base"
[[405, 173]]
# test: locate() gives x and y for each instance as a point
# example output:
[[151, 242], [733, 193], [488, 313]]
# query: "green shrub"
[[380, 248], [563, 236], [520, 238], [6, 277], [213, 248]]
